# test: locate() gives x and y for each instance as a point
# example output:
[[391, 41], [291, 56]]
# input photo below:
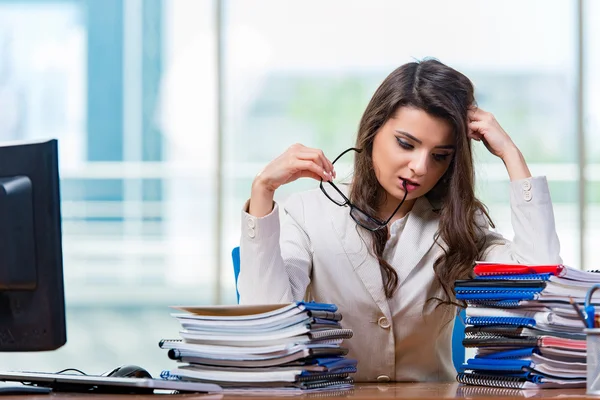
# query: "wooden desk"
[[362, 391]]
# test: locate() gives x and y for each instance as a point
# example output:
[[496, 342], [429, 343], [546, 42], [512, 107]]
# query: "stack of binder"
[[287, 348], [526, 325]]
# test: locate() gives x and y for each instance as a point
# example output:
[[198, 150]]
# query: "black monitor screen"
[[32, 305]]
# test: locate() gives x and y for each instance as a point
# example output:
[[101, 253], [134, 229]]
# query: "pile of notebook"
[[526, 325], [285, 348]]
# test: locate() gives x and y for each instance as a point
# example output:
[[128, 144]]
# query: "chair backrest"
[[458, 334], [458, 350], [235, 257]]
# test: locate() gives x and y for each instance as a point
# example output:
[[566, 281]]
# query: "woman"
[[413, 227]]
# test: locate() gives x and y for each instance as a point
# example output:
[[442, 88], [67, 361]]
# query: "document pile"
[[526, 324], [272, 348]]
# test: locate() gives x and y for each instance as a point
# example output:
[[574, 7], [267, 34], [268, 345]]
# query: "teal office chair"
[[458, 350]]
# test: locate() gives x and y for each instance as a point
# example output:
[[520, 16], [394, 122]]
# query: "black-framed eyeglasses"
[[363, 219]]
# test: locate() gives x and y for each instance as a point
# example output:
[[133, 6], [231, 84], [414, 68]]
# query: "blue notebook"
[[518, 366], [515, 277], [513, 321], [497, 295], [506, 354], [497, 364], [501, 287]]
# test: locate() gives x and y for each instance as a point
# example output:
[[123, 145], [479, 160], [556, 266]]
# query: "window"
[[591, 121], [131, 89]]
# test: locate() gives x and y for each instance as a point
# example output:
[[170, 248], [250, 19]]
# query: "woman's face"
[[415, 147]]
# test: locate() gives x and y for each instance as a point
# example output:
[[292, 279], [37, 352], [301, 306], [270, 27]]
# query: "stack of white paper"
[[289, 348]]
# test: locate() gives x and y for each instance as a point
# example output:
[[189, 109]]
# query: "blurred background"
[[165, 110]]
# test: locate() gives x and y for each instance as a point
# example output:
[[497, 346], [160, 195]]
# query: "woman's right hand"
[[296, 162]]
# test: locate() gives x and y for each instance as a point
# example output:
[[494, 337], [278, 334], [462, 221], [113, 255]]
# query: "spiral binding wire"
[[480, 289], [486, 335], [472, 391], [331, 333], [498, 381], [326, 376], [324, 384], [516, 277], [494, 303]]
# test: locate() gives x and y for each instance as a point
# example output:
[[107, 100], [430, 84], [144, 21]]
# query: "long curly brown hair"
[[445, 93]]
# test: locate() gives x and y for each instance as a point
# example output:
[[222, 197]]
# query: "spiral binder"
[[501, 285], [519, 332], [331, 333], [485, 335], [496, 289], [515, 277], [471, 336], [486, 269], [494, 303], [501, 381], [500, 365], [500, 342], [509, 354], [506, 295], [343, 370], [325, 384], [323, 376], [516, 321]]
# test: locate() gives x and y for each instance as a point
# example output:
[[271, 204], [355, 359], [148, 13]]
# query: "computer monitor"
[[32, 304]]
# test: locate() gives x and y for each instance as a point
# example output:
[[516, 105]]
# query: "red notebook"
[[484, 268], [490, 268]]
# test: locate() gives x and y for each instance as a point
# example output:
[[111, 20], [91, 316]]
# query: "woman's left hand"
[[484, 127]]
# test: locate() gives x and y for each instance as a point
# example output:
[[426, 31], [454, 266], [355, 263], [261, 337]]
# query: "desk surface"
[[361, 391]]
